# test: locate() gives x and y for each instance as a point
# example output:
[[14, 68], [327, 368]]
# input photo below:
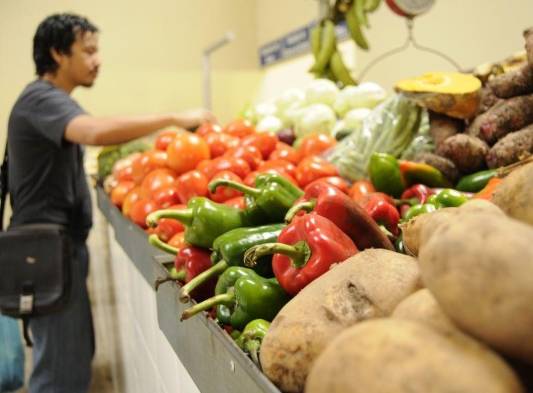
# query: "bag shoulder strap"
[[3, 187]]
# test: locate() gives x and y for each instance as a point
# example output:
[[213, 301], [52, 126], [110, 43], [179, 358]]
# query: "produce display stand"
[[212, 359]]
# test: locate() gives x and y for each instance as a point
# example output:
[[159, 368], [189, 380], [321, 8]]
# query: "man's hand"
[[192, 119]]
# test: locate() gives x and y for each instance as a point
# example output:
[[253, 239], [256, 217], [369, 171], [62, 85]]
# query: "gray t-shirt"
[[47, 181]]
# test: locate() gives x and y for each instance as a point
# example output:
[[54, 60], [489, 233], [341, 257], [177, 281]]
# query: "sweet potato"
[[368, 285], [513, 83], [443, 164], [479, 267], [400, 356], [466, 152], [511, 148], [514, 195], [528, 36], [442, 127], [488, 100], [513, 114]]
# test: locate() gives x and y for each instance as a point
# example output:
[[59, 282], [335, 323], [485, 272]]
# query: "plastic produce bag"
[[390, 128], [11, 355]]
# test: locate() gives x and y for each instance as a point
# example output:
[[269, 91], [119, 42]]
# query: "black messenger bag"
[[34, 266]]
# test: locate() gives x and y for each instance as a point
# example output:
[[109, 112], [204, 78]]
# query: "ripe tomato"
[[164, 138], [191, 184], [185, 152], [219, 164], [120, 191], [146, 163], [167, 228], [238, 202], [156, 180], [239, 128], [178, 241], [285, 152], [222, 193], [279, 165], [315, 144], [140, 209], [312, 168], [250, 154], [123, 168], [336, 181], [220, 142], [264, 141], [166, 196], [207, 128], [133, 196]]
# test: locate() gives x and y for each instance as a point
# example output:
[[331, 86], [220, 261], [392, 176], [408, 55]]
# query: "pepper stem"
[[252, 347], [225, 298], [173, 275], [235, 185], [216, 269], [155, 241], [184, 216], [299, 253], [304, 205]]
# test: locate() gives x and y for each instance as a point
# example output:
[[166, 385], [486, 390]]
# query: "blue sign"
[[293, 44]]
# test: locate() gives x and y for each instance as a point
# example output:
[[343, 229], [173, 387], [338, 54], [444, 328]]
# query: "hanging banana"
[[340, 71], [354, 27], [371, 5], [360, 13], [328, 42], [315, 40]]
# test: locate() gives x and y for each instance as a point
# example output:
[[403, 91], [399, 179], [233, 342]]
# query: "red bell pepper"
[[190, 261], [306, 249], [330, 202], [420, 192], [383, 213]]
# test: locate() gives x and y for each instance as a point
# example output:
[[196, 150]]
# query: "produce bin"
[[212, 359]]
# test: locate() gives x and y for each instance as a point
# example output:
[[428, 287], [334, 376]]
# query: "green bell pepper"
[[273, 196], [476, 181], [450, 198], [204, 220], [385, 175], [229, 249], [251, 338], [419, 209], [251, 297]]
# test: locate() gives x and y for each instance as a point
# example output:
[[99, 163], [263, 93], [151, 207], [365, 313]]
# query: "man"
[[47, 182]]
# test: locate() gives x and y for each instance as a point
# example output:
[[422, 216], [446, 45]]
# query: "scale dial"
[[410, 8]]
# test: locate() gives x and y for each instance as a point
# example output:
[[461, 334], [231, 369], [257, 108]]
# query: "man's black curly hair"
[[59, 32]]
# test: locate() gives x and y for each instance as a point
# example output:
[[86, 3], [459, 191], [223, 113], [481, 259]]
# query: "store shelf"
[[208, 353]]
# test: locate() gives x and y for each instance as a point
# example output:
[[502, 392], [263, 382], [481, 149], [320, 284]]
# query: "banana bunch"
[[356, 19], [328, 61]]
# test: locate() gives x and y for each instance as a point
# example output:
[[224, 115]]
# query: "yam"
[[400, 356], [528, 36], [514, 195], [467, 152], [479, 267], [442, 127], [443, 164], [511, 115], [511, 148], [488, 100], [367, 285], [513, 83]]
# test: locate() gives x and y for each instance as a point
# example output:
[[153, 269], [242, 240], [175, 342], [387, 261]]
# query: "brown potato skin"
[[392, 355], [514, 195], [367, 285], [479, 267]]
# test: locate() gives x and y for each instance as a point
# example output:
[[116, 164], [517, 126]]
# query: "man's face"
[[81, 66]]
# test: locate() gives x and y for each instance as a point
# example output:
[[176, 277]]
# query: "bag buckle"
[[26, 299]]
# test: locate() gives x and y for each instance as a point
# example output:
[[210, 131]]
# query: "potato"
[[393, 355], [422, 307], [514, 195], [412, 230], [367, 285], [479, 267]]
